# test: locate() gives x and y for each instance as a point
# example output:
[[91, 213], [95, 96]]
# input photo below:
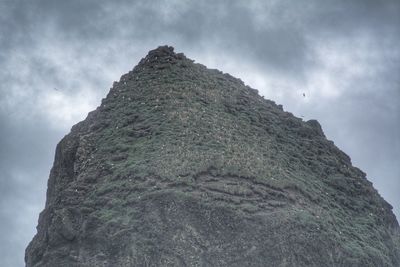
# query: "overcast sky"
[[59, 58]]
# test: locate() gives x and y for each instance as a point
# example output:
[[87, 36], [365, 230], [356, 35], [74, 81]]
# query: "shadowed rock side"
[[186, 166]]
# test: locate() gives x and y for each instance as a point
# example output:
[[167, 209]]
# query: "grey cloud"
[[282, 45], [81, 46], [25, 160]]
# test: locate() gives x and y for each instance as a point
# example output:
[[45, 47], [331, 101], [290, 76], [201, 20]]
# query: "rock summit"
[[182, 165]]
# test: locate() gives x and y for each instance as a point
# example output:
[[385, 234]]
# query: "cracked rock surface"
[[182, 165]]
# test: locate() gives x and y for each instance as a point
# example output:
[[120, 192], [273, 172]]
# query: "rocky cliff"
[[182, 165]]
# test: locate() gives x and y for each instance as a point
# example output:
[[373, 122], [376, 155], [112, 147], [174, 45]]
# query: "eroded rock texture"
[[181, 165]]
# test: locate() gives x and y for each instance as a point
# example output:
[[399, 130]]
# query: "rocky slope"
[[182, 165]]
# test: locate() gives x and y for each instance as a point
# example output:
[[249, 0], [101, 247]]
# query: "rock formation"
[[182, 165]]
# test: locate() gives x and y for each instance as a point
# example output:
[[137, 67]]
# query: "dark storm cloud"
[[58, 59], [263, 32]]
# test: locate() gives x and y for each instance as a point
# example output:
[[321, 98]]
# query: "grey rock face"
[[181, 165]]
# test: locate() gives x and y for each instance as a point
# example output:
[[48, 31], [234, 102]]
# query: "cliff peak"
[[182, 165], [162, 55]]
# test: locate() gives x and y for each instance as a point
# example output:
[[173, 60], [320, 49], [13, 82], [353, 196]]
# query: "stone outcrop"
[[182, 165]]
